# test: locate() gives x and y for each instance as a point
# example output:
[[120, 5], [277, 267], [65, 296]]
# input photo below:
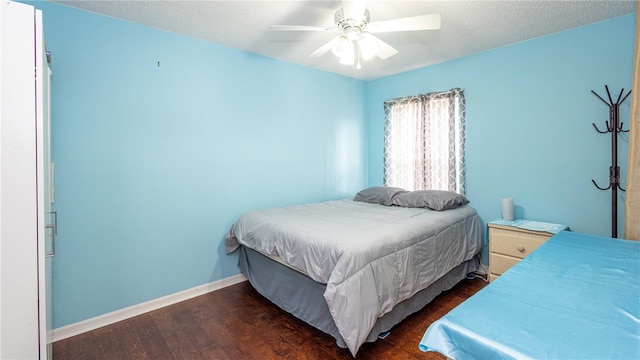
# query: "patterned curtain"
[[632, 200], [424, 141]]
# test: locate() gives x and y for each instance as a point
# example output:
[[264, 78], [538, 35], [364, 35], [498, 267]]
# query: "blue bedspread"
[[576, 297]]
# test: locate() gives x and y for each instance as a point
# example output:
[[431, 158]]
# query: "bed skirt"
[[303, 297]]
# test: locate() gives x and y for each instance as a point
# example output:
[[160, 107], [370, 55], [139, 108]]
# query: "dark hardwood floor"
[[238, 323]]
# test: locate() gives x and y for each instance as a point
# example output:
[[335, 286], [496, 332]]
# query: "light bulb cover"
[[367, 47], [347, 57], [341, 46]]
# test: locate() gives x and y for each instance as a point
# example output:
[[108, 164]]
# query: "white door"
[[22, 206]]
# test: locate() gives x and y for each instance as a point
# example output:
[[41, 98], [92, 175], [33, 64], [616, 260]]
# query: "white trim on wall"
[[139, 309]]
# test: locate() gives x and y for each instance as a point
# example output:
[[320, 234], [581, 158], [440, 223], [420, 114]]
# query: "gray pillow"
[[433, 199], [382, 195]]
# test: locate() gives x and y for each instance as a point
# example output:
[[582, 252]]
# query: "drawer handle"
[[521, 248]]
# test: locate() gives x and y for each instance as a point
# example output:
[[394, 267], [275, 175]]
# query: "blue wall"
[[528, 122], [154, 163]]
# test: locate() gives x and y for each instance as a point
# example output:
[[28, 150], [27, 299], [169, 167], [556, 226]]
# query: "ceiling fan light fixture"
[[357, 40], [347, 57], [341, 46], [367, 47]]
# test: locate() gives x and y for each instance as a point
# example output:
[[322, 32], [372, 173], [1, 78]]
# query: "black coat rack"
[[614, 126]]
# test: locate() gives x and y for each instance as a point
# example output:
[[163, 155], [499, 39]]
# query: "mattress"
[[370, 257], [576, 297]]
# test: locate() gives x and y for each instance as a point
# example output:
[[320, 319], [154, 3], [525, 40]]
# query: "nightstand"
[[512, 241]]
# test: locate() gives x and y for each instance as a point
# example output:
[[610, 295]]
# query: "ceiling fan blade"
[[324, 48], [353, 9], [413, 23], [383, 50], [297, 28]]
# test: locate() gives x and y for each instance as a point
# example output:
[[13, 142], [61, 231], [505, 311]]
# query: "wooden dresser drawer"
[[508, 244], [515, 243], [501, 263]]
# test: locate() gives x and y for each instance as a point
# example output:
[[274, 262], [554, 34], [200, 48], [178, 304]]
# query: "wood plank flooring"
[[238, 323]]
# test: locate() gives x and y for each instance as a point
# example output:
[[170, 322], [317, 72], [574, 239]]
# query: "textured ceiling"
[[468, 27]]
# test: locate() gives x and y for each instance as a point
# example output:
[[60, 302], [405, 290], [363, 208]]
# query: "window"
[[424, 142]]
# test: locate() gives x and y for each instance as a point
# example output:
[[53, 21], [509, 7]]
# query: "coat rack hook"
[[625, 97], [619, 129], [620, 187], [619, 96], [598, 130], [609, 94], [601, 188], [600, 97]]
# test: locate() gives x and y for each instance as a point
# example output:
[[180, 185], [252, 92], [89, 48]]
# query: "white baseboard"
[[139, 309]]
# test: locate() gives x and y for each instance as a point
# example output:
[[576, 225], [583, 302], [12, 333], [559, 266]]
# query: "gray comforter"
[[371, 257]]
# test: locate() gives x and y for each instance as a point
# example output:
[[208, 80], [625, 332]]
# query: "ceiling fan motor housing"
[[357, 25]]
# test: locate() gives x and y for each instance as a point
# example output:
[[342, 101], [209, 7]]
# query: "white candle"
[[507, 209]]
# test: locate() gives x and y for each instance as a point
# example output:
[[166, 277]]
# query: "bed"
[[353, 268], [576, 297]]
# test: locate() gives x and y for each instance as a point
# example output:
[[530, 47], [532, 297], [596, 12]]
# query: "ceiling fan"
[[356, 39]]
